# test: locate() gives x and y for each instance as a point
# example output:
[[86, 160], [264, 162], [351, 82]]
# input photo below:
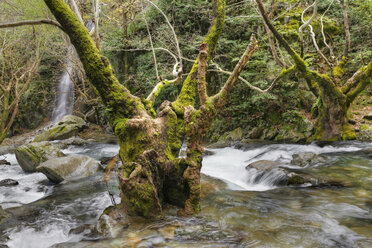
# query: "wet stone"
[[306, 159], [8, 183], [4, 162]]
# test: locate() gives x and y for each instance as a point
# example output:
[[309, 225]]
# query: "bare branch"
[[75, 8], [174, 33], [306, 23], [272, 44], [152, 48], [31, 22], [346, 28], [324, 37]]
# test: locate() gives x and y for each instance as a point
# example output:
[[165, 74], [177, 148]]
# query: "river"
[[236, 209]]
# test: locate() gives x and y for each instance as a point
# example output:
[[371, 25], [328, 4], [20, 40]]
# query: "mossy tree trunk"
[[152, 174], [335, 95]]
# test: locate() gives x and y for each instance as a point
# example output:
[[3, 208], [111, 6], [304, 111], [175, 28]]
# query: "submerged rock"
[[306, 159], [112, 221], [72, 167], [31, 155], [8, 183], [272, 172], [69, 126], [263, 165]]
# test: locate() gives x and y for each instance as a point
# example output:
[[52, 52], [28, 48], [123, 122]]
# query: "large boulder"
[[72, 167], [365, 133], [31, 155], [69, 126]]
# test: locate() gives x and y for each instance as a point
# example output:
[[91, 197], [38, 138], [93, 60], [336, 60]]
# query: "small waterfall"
[[65, 95]]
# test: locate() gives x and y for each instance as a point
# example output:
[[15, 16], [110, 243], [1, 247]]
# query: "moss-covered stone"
[[68, 127], [31, 155]]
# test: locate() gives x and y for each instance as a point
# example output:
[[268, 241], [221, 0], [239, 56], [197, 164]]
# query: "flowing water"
[[65, 95], [237, 209]]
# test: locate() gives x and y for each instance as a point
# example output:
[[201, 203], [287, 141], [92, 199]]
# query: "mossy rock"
[[290, 136], [255, 133], [269, 134], [306, 159], [112, 221], [365, 133], [31, 155], [235, 135], [67, 168], [68, 127]]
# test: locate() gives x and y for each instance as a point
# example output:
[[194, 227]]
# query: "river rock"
[[255, 133], [8, 183], [288, 177], [72, 167], [73, 141], [112, 221], [4, 162], [365, 133], [290, 136], [31, 155], [69, 126], [7, 149], [269, 134], [306, 159], [263, 165]]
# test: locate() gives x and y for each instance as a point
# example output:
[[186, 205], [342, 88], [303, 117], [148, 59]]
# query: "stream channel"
[[236, 209]]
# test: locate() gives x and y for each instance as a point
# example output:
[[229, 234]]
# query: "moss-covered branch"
[[188, 92], [362, 79], [220, 98]]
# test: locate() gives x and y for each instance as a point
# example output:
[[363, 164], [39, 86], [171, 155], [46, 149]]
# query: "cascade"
[[64, 102]]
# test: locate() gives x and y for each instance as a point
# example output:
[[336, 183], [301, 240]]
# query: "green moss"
[[296, 180], [174, 135], [188, 92], [348, 133]]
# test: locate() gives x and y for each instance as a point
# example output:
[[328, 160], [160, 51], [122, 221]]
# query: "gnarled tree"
[[152, 174], [335, 93]]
